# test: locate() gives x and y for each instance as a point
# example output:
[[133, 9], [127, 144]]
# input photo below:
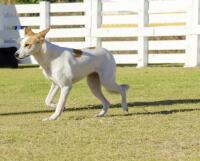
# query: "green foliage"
[[27, 1], [35, 1]]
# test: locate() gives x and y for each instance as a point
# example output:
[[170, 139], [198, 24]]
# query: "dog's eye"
[[26, 45]]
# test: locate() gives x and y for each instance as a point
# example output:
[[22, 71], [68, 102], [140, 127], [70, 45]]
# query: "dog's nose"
[[16, 55]]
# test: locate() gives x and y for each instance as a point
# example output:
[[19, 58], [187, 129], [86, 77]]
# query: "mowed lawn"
[[163, 123]]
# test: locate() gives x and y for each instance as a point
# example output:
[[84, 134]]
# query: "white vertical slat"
[[44, 14], [88, 23], [1, 23], [143, 20], [193, 40], [96, 21]]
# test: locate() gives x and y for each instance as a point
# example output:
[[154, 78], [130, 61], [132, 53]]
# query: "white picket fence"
[[138, 32]]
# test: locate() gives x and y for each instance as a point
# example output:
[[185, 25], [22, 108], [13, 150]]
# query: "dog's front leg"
[[49, 99], [61, 103]]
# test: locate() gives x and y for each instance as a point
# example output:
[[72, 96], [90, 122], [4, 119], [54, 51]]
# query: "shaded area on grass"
[[130, 104], [163, 112]]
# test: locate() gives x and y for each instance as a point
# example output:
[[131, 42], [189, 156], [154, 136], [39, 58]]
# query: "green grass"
[[163, 123]]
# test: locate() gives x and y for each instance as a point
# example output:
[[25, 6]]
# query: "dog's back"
[[91, 60]]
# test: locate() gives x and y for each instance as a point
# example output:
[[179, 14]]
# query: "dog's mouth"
[[20, 58]]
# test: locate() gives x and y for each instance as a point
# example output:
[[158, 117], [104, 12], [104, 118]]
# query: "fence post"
[[143, 18], [96, 22], [193, 40], [1, 23], [44, 14], [88, 24]]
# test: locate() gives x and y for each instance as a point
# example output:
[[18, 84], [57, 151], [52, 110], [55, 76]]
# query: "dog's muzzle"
[[19, 58], [17, 55]]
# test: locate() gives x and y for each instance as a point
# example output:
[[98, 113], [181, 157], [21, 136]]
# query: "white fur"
[[62, 68]]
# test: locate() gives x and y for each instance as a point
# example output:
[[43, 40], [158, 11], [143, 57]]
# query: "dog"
[[65, 66]]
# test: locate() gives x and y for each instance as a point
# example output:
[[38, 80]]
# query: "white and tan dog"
[[65, 66]]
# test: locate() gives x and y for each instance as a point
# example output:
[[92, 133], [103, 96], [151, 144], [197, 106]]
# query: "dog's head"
[[31, 43]]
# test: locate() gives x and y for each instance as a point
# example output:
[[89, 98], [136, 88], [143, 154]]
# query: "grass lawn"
[[163, 123]]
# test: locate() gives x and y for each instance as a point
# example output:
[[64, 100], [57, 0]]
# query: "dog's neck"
[[45, 53]]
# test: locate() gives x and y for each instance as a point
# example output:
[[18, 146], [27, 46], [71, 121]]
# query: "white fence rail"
[[138, 32]]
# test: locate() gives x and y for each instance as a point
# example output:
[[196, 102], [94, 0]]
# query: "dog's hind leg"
[[107, 78], [121, 89], [52, 92], [95, 86]]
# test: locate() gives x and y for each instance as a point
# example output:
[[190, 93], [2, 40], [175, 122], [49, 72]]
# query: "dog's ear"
[[43, 33], [28, 31]]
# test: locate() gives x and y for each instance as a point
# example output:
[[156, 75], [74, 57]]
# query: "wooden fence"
[[138, 32]]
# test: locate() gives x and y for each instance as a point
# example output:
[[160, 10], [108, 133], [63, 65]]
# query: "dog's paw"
[[124, 107], [48, 119], [54, 117], [126, 111], [51, 118], [102, 113]]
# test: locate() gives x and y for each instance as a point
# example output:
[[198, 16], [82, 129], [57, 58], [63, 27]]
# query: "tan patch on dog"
[[77, 52], [32, 40], [43, 33], [34, 37], [28, 31]]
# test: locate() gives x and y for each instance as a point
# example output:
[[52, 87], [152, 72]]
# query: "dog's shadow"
[[130, 105]]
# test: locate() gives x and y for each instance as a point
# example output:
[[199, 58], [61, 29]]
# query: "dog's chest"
[[60, 76], [47, 73]]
